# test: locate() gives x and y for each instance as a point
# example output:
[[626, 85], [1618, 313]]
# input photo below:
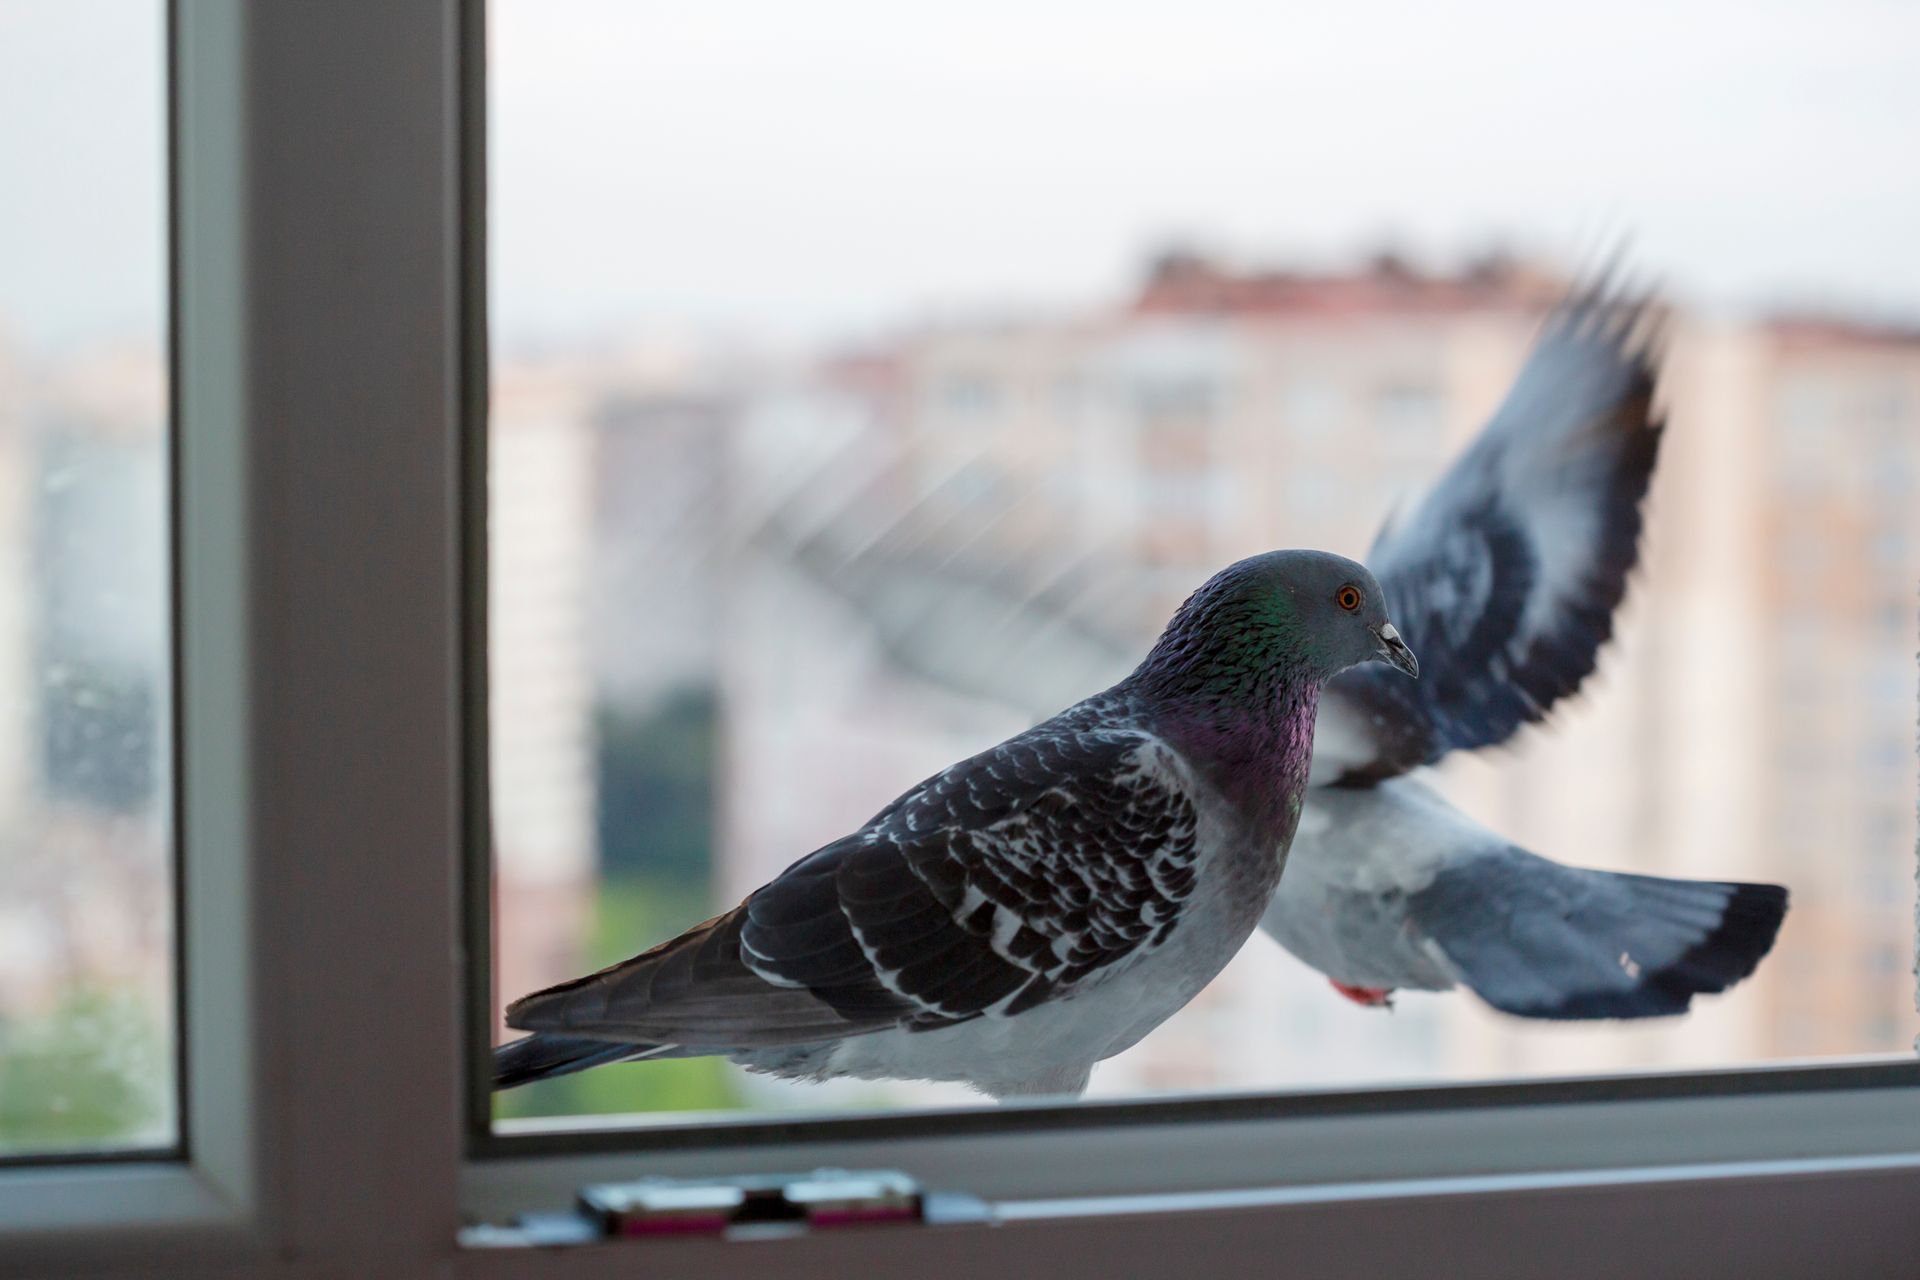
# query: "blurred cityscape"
[[740, 602], [85, 868], [743, 594]]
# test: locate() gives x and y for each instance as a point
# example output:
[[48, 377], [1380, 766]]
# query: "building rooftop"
[[1182, 281]]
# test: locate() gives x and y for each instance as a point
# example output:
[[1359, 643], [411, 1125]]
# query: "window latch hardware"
[[770, 1205]]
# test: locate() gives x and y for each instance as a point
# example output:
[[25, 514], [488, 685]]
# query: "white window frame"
[[327, 410]]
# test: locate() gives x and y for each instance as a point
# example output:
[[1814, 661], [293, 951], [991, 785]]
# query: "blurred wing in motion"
[[1505, 575], [952, 596], [1391, 887]]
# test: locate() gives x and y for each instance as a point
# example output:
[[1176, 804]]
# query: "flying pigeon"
[[1032, 910], [1506, 576]]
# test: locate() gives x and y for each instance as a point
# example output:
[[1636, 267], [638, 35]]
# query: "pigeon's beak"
[[1393, 650]]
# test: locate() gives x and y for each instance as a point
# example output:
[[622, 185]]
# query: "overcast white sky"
[[809, 169], [82, 148], [826, 164]]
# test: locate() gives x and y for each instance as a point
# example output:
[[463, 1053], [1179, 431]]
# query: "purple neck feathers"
[[1258, 756]]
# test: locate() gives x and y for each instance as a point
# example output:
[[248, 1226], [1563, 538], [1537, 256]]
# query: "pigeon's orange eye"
[[1348, 598]]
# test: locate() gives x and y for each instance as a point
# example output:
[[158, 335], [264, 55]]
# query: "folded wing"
[[1003, 882]]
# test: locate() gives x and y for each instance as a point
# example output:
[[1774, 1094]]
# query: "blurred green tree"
[[93, 1072], [655, 771]]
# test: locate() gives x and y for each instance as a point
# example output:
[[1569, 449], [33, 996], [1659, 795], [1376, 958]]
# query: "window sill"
[[117, 1210], [1762, 1218], [1376, 1137]]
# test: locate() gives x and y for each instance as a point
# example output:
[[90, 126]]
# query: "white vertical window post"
[[352, 299], [316, 219]]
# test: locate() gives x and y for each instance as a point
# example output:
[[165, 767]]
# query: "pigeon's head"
[[1299, 614]]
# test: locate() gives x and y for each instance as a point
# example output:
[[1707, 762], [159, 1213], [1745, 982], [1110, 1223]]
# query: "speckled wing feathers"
[[1011, 877], [1005, 881]]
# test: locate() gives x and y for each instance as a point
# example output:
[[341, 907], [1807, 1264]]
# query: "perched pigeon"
[[1505, 577], [1030, 911]]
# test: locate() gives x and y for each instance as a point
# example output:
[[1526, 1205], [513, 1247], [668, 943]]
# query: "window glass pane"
[[86, 869], [870, 383]]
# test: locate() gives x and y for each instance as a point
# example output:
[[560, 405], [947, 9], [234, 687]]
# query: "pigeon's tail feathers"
[[1541, 940], [700, 991], [542, 1057], [1750, 919]]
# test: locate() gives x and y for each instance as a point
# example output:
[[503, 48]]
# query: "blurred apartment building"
[[540, 496], [1224, 413], [833, 548], [85, 809], [1836, 535], [606, 497], [836, 549]]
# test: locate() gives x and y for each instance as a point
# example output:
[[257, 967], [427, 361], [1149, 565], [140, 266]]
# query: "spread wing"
[[1393, 887], [1504, 577], [1541, 940], [1008, 880]]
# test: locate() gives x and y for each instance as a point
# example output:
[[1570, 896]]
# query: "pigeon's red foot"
[[1367, 997]]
